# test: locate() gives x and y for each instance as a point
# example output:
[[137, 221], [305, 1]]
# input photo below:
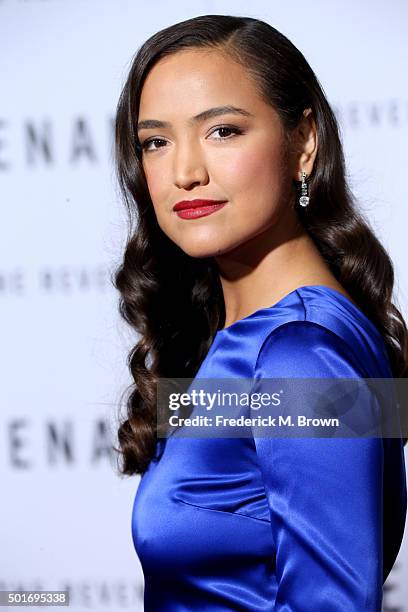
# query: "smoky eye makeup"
[[232, 131]]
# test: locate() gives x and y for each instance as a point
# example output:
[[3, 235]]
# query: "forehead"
[[190, 80]]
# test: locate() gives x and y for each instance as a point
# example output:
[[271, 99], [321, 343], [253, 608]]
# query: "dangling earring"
[[304, 198]]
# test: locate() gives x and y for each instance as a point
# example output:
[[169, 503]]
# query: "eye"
[[228, 128], [146, 143], [145, 146]]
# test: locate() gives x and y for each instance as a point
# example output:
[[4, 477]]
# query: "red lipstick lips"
[[191, 209]]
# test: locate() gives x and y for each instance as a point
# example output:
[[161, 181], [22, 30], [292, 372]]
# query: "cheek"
[[257, 169], [257, 181], [155, 180], [157, 184]]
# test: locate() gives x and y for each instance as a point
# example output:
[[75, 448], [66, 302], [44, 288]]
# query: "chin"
[[199, 241], [199, 253], [203, 249]]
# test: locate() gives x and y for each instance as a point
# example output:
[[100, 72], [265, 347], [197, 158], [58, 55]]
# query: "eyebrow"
[[203, 116]]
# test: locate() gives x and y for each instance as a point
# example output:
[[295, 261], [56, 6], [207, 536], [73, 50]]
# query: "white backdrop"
[[65, 514]]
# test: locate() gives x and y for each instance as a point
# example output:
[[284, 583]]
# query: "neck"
[[266, 268]]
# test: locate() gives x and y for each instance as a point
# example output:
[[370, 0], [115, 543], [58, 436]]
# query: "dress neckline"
[[287, 296]]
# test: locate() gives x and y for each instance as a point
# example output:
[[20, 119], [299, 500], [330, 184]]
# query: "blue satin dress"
[[291, 525]]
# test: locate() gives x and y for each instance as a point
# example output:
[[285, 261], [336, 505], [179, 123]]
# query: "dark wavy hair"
[[175, 302]]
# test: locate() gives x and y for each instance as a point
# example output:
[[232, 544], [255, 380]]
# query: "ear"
[[305, 144]]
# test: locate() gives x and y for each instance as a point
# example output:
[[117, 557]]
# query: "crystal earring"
[[304, 198]]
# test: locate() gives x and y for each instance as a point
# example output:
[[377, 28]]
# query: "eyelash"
[[235, 130]]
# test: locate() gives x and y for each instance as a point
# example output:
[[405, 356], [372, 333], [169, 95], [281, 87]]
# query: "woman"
[[275, 274]]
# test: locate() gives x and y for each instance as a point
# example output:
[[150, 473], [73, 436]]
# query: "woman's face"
[[240, 158]]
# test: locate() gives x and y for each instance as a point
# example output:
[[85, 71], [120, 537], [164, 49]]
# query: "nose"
[[189, 166]]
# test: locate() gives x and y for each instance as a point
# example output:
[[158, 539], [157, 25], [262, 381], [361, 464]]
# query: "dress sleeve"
[[324, 494]]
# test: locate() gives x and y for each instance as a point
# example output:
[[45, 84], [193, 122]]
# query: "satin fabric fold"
[[266, 524]]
